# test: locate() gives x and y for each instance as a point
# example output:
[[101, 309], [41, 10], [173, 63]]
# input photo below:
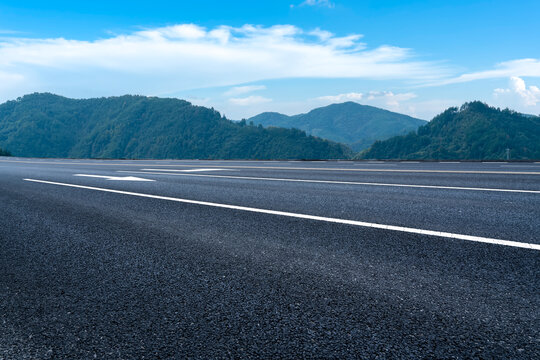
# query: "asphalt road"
[[237, 259]]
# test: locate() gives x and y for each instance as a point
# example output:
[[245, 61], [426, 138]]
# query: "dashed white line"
[[169, 172], [478, 239]]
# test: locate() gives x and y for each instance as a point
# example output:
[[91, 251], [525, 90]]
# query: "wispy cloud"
[[240, 90], [342, 97], [187, 56], [323, 3], [529, 96], [387, 98], [249, 101], [519, 67], [9, 32]]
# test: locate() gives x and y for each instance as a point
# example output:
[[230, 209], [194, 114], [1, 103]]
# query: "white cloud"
[[389, 98], [182, 31], [499, 91], [519, 67], [323, 35], [240, 90], [323, 3], [182, 57], [399, 102], [342, 97], [249, 101], [386, 98], [8, 32], [529, 96]]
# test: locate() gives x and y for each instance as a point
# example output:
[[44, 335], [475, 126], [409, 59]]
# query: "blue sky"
[[245, 57]]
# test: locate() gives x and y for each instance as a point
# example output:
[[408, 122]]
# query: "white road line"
[[521, 166], [114, 178], [370, 170], [200, 170], [374, 163], [169, 172], [141, 162], [308, 217]]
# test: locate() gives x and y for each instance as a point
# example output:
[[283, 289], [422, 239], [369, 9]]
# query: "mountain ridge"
[[132, 126], [349, 123], [475, 131]]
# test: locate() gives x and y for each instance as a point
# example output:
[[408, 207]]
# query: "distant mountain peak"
[[348, 122]]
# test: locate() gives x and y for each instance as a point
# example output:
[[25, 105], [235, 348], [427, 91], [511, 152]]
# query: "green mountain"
[[47, 125], [473, 132], [350, 123]]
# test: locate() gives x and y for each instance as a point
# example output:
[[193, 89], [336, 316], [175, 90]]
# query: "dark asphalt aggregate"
[[87, 274]]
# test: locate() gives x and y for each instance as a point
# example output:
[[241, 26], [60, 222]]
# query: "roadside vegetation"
[[475, 131]]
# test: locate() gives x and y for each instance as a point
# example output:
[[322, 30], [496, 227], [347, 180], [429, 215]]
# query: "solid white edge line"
[[308, 217], [167, 172]]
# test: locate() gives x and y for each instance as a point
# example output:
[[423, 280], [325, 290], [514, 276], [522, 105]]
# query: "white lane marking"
[[369, 170], [169, 172], [114, 178], [308, 217], [374, 163], [521, 166], [288, 168], [199, 170]]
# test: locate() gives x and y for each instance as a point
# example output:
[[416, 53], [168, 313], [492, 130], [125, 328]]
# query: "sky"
[[416, 57]]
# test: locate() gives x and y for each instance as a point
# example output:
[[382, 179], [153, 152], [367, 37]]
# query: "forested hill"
[[137, 127], [473, 132], [350, 123]]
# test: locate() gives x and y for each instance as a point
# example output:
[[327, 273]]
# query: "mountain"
[[473, 132], [350, 123], [47, 125]]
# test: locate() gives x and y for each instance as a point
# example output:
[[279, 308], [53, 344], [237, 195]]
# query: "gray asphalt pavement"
[[240, 259]]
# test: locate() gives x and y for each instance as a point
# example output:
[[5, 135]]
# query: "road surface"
[[220, 259]]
